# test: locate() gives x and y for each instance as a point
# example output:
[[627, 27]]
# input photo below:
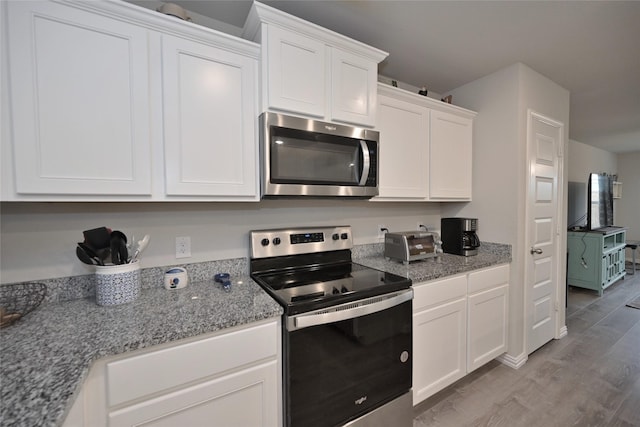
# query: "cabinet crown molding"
[[430, 103], [165, 24], [263, 14]]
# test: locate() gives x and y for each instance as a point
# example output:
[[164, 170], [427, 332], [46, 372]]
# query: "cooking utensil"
[[142, 245], [91, 253], [85, 258], [98, 238], [119, 252]]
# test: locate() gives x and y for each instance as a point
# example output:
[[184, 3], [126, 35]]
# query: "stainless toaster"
[[407, 246]]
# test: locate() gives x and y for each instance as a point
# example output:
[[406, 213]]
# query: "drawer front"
[[438, 291], [170, 367], [489, 278]]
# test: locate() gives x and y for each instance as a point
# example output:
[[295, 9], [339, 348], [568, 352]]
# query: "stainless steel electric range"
[[347, 344]]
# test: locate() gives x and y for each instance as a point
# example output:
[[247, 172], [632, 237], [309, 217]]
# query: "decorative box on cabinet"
[[425, 148], [120, 103], [596, 258], [230, 377], [459, 324], [309, 70]]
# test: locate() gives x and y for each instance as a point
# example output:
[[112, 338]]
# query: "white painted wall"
[[628, 207], [585, 159], [500, 170], [38, 240]]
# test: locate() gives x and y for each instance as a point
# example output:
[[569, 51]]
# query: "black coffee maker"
[[459, 236]]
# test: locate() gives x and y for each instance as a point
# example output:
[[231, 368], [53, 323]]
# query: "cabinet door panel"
[[295, 72], [439, 348], [80, 102], [186, 363], [210, 120], [404, 144], [241, 399], [354, 88], [487, 331], [450, 159]]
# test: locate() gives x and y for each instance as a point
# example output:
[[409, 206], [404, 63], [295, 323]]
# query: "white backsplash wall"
[[38, 240]]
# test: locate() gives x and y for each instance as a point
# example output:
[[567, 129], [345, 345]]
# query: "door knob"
[[536, 250]]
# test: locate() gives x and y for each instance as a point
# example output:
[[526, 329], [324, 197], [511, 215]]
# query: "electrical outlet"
[[183, 247], [381, 230]]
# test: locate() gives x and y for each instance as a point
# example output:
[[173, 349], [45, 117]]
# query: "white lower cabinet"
[[227, 379], [459, 324], [488, 304], [439, 335], [240, 399]]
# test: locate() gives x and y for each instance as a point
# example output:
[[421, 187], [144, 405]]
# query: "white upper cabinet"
[[404, 149], [425, 148], [353, 89], [312, 71], [209, 120], [113, 102], [450, 156], [294, 77], [79, 102]]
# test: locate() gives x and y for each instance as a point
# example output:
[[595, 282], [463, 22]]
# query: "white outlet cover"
[[183, 247]]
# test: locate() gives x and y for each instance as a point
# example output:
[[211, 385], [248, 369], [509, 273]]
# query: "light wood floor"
[[591, 377]]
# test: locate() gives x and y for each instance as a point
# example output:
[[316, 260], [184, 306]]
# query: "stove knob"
[[335, 291], [344, 236], [264, 242], [276, 241], [335, 236]]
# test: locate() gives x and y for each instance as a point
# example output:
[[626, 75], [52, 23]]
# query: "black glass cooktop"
[[311, 288]]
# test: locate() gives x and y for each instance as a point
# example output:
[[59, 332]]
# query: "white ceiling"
[[591, 48]]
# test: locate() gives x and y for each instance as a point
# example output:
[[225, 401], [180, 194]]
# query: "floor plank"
[[589, 378]]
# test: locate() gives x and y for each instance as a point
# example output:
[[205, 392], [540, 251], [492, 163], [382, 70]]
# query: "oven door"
[[343, 362]]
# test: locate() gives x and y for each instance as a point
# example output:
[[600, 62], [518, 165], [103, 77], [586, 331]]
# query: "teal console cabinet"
[[596, 258]]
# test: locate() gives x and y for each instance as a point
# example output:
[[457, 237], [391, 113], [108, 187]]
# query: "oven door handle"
[[349, 310]]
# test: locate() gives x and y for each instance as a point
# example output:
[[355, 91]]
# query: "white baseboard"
[[511, 361], [563, 332]]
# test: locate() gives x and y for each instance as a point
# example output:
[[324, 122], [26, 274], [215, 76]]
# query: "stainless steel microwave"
[[304, 157]]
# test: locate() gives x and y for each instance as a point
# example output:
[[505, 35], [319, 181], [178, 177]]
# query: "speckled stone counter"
[[47, 355], [489, 254]]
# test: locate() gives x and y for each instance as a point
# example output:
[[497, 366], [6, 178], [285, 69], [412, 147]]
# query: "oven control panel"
[[297, 241]]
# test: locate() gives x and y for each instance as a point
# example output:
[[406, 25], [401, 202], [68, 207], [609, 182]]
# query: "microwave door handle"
[[366, 163]]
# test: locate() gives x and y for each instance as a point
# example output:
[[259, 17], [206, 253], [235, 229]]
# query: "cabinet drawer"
[[244, 398], [489, 278], [170, 367], [438, 291]]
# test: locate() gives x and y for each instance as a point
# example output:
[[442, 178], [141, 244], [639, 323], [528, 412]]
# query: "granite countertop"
[[489, 254], [47, 355]]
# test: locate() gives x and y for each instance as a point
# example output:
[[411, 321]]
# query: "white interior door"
[[544, 144]]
